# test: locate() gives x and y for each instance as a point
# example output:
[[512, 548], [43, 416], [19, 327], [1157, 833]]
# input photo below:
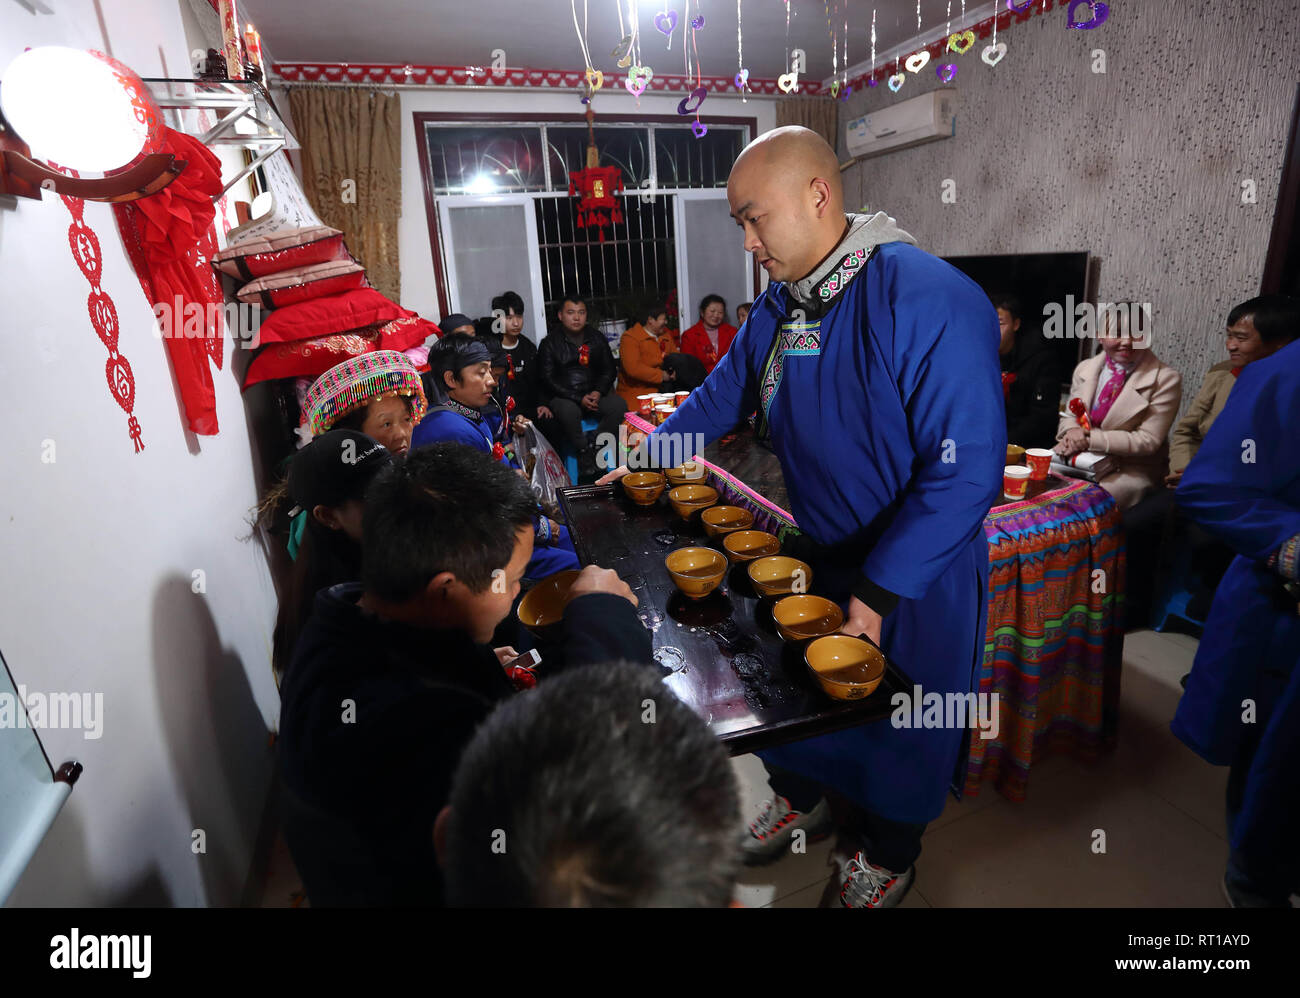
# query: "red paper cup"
[[645, 404], [1015, 481], [679, 397], [662, 412], [1039, 461]]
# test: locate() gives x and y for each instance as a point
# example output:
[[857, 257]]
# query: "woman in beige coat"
[[1132, 399]]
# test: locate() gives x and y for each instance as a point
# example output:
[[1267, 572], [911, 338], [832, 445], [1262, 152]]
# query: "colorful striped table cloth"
[[1054, 640]]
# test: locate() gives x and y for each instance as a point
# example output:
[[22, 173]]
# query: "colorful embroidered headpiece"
[[359, 381]]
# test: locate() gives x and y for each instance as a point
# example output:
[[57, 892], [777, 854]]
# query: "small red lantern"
[[595, 188]]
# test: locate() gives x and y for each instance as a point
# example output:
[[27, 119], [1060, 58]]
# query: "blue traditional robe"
[[886, 414], [1243, 486]]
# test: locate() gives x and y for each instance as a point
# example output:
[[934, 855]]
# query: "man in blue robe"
[[873, 368], [1242, 704], [462, 410]]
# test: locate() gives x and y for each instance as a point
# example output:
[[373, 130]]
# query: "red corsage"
[[1008, 379], [510, 404], [522, 678], [510, 368], [584, 355], [498, 451]]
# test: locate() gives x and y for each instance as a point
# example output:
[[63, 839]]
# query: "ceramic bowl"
[[746, 545], [644, 487], [847, 668], [1015, 453], [778, 575], [696, 571], [720, 520], [799, 618], [690, 473], [687, 500], [543, 606]]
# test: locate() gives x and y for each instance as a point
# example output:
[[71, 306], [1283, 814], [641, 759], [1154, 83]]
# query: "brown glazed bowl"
[[687, 500], [1015, 454], [847, 668], [776, 576], [543, 606], [746, 545], [719, 520], [696, 571], [690, 473], [799, 618], [644, 487]]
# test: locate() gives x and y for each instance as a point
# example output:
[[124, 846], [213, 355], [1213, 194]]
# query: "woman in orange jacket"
[[640, 358]]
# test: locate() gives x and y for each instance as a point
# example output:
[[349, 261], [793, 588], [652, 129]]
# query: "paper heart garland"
[[788, 82], [947, 72], [623, 52], [697, 95], [896, 82], [847, 90], [960, 42], [666, 21], [1099, 12], [697, 22], [742, 78], [994, 53], [636, 87], [699, 129], [595, 78], [916, 61]]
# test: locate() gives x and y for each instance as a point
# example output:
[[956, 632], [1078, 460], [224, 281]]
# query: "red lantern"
[[595, 187]]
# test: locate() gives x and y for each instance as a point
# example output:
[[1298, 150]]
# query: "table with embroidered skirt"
[[1054, 638]]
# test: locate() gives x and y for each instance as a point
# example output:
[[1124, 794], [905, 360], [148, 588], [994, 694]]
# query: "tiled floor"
[[1160, 806]]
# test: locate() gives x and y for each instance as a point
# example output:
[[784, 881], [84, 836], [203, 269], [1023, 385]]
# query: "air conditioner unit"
[[922, 119]]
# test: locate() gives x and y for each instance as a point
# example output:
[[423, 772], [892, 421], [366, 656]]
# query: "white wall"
[[419, 290], [99, 548]]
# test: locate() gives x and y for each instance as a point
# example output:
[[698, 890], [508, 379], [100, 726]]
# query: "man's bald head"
[[785, 192]]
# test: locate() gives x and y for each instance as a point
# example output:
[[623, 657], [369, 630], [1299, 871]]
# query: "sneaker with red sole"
[[860, 884], [771, 833]]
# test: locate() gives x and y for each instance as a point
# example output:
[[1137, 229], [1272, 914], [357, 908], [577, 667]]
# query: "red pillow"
[[328, 315], [288, 287], [281, 250], [313, 357]]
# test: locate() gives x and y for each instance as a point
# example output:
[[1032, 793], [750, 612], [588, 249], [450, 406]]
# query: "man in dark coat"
[[1031, 379]]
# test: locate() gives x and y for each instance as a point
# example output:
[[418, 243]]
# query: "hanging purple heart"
[[1099, 12], [697, 22], [1021, 8], [947, 72], [697, 96], [847, 90], [666, 21], [872, 82], [742, 78], [699, 129]]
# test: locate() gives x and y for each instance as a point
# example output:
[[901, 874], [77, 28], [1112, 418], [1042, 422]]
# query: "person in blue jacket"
[[873, 367], [1241, 707], [462, 410]]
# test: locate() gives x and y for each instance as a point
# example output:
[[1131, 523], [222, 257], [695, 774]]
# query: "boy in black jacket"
[[575, 377], [391, 676], [1031, 380]]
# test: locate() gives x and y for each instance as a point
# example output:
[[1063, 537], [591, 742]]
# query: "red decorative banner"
[[484, 77], [103, 313]]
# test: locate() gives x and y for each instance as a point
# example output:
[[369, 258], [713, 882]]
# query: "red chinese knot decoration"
[[595, 188]]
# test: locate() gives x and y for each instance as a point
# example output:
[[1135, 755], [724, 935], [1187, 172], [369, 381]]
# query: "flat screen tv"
[[1037, 279]]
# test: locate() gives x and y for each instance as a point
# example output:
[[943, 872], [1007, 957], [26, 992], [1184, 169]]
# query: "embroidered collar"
[[834, 283], [464, 410]]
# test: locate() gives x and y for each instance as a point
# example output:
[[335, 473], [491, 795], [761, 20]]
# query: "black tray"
[[722, 654]]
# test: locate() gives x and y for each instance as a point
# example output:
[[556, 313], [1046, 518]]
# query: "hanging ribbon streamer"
[[742, 74]]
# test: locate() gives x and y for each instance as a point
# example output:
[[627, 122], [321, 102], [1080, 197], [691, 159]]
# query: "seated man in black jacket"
[[391, 676], [1031, 381], [575, 376]]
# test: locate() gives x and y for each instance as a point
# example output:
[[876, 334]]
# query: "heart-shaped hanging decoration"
[[835, 88], [847, 90], [961, 41], [1099, 12], [994, 53], [666, 21], [916, 61], [699, 129], [691, 104], [595, 78], [1019, 8], [742, 78], [896, 82], [638, 78], [873, 82], [788, 82], [622, 51], [947, 72], [697, 22]]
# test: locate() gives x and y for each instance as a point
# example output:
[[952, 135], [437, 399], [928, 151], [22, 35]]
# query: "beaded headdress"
[[359, 381]]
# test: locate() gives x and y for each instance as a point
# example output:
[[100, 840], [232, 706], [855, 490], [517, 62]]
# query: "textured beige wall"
[[1142, 166]]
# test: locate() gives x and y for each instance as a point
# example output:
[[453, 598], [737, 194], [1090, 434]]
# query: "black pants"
[[569, 417], [895, 845], [1146, 527]]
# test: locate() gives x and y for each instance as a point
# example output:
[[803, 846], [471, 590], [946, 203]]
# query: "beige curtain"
[[821, 114], [355, 135]]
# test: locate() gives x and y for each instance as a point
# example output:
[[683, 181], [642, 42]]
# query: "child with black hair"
[[519, 378], [391, 676]]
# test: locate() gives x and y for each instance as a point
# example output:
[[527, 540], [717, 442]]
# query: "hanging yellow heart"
[[595, 78], [787, 82], [916, 62], [959, 42]]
